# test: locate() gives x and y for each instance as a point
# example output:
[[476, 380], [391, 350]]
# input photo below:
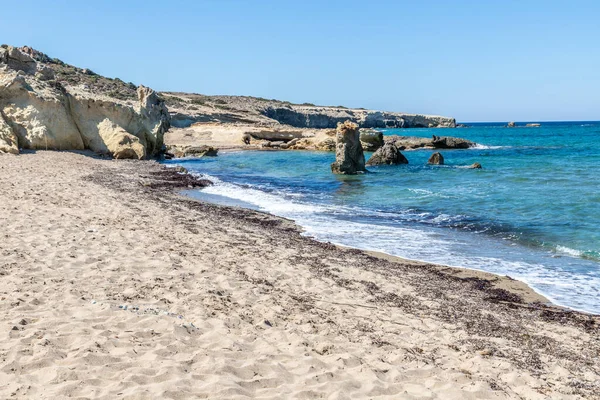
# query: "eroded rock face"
[[326, 144], [436, 159], [17, 60], [388, 154], [39, 113], [155, 117], [327, 117], [8, 140], [39, 117], [349, 156], [371, 139], [118, 142]]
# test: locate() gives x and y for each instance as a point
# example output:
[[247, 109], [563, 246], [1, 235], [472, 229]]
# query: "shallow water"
[[531, 213]]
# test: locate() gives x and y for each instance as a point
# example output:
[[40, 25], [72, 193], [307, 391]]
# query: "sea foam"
[[354, 227]]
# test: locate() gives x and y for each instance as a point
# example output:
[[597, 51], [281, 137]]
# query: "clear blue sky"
[[474, 60]]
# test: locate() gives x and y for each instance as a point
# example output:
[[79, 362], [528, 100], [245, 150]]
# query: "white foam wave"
[[289, 205], [485, 147], [267, 202], [559, 286], [431, 244], [569, 251]]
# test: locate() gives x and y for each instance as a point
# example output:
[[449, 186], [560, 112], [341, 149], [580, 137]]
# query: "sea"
[[532, 212]]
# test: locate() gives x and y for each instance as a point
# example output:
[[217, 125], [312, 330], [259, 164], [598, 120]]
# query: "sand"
[[112, 285]]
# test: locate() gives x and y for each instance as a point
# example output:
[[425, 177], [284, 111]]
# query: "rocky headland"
[[189, 108], [47, 104]]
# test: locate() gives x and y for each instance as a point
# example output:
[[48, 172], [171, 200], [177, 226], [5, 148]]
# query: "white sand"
[[274, 315]]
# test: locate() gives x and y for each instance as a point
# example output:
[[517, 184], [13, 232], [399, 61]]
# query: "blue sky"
[[474, 60]]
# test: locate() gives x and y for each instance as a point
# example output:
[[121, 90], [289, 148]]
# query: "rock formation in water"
[[448, 142], [415, 142], [475, 166], [47, 104], [349, 156], [371, 139], [436, 159], [511, 124], [388, 154]]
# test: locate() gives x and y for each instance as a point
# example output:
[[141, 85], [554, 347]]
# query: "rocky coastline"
[[187, 109], [250, 137], [48, 104]]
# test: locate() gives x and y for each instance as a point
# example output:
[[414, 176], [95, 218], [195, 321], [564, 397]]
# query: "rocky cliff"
[[47, 104], [187, 109]]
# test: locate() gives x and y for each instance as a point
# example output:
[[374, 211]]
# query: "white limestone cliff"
[[38, 112]]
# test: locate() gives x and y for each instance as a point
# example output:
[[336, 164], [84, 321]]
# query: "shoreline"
[[265, 311], [516, 286], [497, 281]]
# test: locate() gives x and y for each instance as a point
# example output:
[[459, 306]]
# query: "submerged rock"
[[436, 159], [475, 166], [388, 154], [349, 156]]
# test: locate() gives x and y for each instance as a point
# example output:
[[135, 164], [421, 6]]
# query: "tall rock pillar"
[[349, 157]]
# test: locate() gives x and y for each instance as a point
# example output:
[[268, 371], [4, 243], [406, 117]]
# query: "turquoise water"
[[532, 212]]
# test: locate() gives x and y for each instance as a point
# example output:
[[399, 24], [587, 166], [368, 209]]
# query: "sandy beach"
[[115, 286]]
